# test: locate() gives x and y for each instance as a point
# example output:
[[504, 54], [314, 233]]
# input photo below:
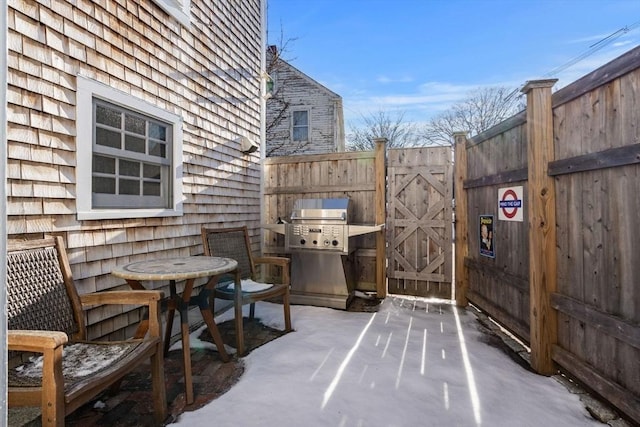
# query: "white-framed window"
[[179, 9], [300, 125], [129, 156], [269, 85]]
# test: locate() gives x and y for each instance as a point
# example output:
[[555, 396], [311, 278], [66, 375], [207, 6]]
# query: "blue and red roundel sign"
[[510, 204]]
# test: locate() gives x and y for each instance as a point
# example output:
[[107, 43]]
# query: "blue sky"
[[421, 56]]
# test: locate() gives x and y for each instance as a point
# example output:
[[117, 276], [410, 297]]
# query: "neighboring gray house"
[[303, 116]]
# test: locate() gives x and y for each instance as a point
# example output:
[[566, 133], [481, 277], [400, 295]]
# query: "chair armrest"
[[151, 320], [35, 341], [50, 345], [275, 260], [122, 297]]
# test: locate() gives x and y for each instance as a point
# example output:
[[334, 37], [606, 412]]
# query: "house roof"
[[308, 79]]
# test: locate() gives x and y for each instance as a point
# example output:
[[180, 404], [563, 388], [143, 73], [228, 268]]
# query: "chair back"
[[40, 291], [230, 243]]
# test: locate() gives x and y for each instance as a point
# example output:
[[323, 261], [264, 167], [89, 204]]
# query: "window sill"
[[127, 213]]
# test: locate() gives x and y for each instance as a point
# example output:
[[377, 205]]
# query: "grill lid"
[[321, 209], [342, 203]]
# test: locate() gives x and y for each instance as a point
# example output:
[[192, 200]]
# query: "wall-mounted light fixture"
[[247, 146]]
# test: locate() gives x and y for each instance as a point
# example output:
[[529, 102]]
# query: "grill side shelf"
[[276, 228], [357, 230]]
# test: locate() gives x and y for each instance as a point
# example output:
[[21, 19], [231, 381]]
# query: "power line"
[[593, 48]]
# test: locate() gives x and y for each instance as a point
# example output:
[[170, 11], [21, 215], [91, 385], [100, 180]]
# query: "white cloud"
[[427, 100], [622, 43], [444, 87], [430, 97], [401, 79]]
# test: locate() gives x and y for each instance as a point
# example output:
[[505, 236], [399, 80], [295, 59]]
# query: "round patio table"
[[178, 269]]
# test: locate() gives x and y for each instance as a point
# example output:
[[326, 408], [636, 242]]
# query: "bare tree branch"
[[381, 125], [481, 110]]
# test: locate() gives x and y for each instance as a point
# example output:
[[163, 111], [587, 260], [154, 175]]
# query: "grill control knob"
[[315, 242], [334, 243], [326, 243], [302, 241]]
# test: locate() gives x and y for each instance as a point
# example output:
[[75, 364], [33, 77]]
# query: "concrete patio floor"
[[412, 362]]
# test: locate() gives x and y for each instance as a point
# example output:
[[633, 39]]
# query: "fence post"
[[542, 224], [461, 219], [380, 213]]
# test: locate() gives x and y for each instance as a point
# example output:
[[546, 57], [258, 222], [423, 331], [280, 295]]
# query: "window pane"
[[129, 168], [108, 138], [158, 149], [104, 185], [300, 134], [157, 131], [133, 143], [152, 171], [131, 158], [134, 124], [151, 188], [300, 118], [103, 164], [108, 116], [129, 186]]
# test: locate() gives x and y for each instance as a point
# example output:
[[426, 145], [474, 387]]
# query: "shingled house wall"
[[206, 72]]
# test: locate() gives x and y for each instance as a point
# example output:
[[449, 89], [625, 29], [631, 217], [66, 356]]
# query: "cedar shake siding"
[[200, 70]]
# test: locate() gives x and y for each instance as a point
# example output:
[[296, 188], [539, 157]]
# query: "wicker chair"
[[234, 243], [46, 319]]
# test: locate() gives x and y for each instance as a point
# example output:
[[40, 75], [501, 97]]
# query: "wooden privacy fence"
[[566, 277], [410, 193], [357, 175]]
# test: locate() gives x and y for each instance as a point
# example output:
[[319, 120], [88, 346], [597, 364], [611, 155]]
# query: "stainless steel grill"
[[322, 261], [322, 257]]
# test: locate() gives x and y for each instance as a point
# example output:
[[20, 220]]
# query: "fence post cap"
[[536, 84]]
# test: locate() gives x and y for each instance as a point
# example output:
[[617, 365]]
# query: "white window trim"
[[87, 89], [295, 110], [179, 9], [266, 79]]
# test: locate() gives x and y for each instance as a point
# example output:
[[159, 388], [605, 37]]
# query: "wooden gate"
[[419, 221]]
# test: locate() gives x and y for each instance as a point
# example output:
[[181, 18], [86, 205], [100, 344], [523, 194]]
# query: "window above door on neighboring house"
[[129, 154], [300, 125]]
